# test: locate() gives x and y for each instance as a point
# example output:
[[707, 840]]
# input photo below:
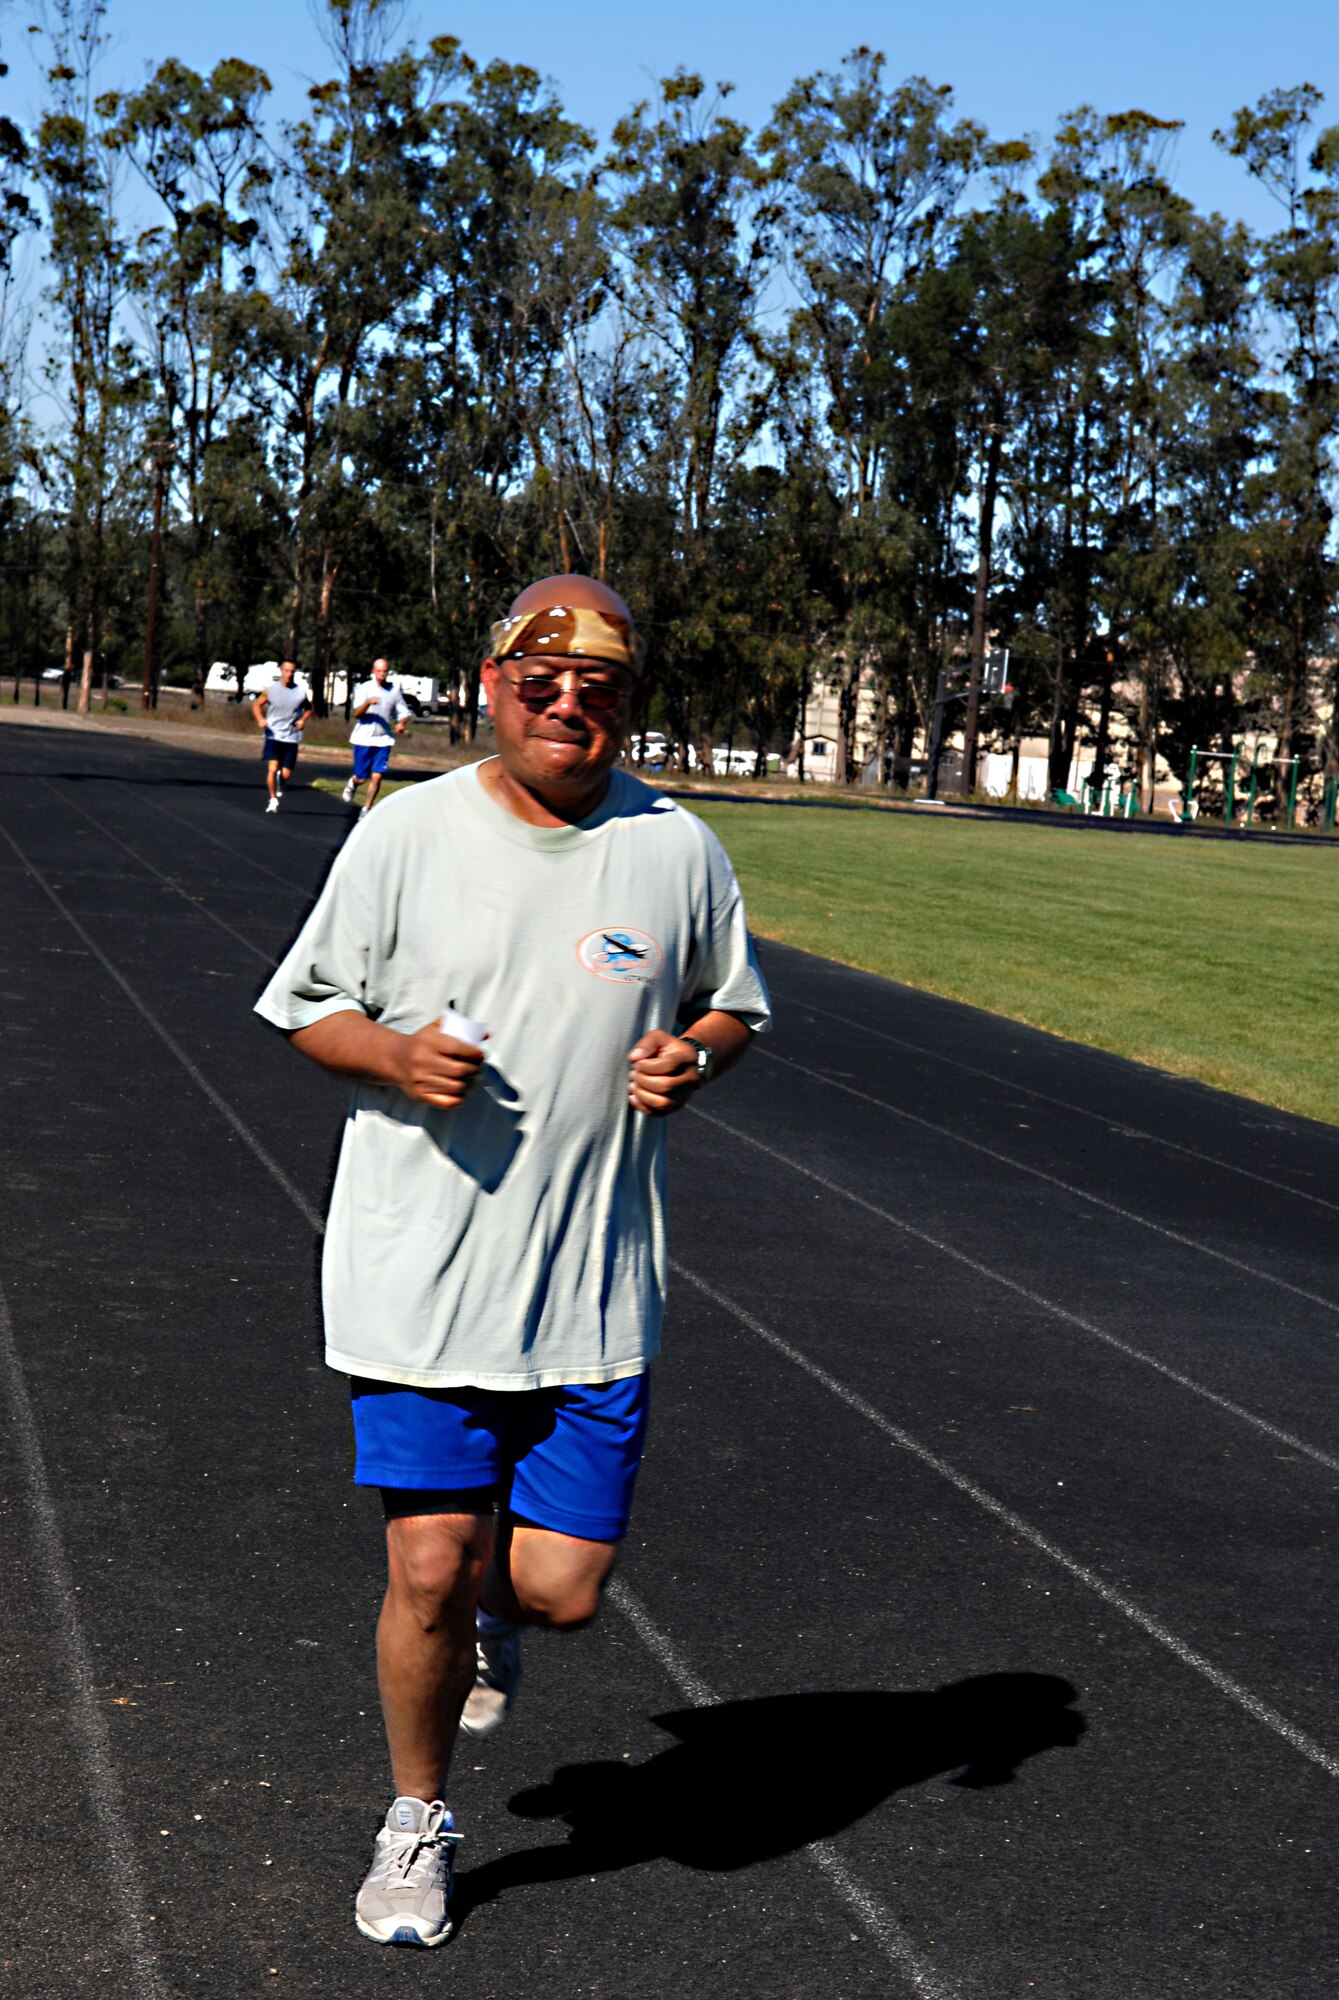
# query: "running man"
[[281, 711], [380, 712], [495, 1259]]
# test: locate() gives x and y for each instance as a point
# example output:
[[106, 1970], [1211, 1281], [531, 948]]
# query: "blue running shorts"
[[273, 751], [564, 1459], [370, 757]]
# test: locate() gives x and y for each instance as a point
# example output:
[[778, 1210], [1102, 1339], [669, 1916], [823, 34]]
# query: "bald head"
[[580, 593]]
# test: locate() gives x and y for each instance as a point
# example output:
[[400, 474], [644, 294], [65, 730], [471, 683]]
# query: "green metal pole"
[[1292, 796], [1250, 803], [1231, 786], [1190, 784]]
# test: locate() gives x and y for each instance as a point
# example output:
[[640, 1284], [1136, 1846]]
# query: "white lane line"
[[1053, 1180], [1038, 1299], [1112, 1123], [1232, 1690], [168, 881], [87, 1723], [878, 1920], [220, 1104], [882, 1926]]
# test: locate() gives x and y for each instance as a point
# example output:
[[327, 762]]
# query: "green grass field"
[[1211, 961]]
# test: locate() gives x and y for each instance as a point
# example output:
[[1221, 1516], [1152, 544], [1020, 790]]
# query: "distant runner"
[[495, 1259], [281, 711], [380, 712]]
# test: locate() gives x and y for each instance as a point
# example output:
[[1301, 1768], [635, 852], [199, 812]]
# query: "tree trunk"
[[1057, 772], [86, 673], [1146, 761], [201, 646], [330, 563], [980, 603], [296, 601], [1103, 724]]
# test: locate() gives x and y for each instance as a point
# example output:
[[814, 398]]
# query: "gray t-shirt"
[[283, 706], [518, 1241]]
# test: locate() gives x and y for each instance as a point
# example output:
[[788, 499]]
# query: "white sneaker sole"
[[405, 1932]]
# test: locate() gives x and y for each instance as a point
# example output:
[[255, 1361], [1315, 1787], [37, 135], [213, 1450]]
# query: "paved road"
[[976, 1633]]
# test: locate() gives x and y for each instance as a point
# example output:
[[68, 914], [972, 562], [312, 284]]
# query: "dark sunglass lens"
[[539, 690]]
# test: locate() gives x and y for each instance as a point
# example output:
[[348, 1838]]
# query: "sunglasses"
[[539, 691]]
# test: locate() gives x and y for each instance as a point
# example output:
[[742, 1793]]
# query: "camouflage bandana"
[[568, 632]]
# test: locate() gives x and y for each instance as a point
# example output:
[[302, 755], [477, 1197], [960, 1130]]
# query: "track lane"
[[753, 1631]]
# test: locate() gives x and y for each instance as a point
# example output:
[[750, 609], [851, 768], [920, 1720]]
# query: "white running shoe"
[[347, 793], [272, 805], [363, 811], [497, 1675], [406, 1894]]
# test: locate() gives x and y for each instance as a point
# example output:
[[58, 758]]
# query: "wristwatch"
[[706, 1059]]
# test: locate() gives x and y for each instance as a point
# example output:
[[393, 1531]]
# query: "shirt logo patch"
[[627, 956]]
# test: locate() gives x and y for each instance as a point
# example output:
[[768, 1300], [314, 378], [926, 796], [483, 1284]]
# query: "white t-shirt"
[[518, 1241], [283, 706], [390, 707]]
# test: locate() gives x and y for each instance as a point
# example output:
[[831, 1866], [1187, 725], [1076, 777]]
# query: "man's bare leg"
[[538, 1577], [425, 1641]]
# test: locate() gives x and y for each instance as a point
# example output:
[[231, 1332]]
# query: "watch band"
[[706, 1059]]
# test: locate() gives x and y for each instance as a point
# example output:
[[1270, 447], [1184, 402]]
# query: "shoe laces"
[[410, 1856]]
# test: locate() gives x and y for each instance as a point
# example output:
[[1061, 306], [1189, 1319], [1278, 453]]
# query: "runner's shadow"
[[748, 1781]]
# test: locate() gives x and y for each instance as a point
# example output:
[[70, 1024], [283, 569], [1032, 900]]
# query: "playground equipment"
[[1231, 758], [1282, 763], [1106, 800], [1200, 757]]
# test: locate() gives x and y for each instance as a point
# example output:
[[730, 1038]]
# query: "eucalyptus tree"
[[692, 229], [1215, 439], [1294, 575], [1113, 170], [75, 167], [869, 176], [197, 143], [17, 216], [1022, 274], [341, 256]]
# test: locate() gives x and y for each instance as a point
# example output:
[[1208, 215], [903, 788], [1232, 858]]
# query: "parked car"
[[734, 763], [58, 674]]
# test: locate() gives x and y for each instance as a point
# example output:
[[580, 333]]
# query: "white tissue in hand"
[[462, 1029]]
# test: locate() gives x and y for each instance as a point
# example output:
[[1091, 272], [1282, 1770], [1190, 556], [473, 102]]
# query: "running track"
[[976, 1636]]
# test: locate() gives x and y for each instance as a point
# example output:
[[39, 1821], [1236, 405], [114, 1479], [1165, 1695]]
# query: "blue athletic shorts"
[[285, 755], [370, 757], [564, 1458]]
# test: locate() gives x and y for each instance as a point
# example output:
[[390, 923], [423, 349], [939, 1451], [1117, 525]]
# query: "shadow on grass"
[[748, 1781]]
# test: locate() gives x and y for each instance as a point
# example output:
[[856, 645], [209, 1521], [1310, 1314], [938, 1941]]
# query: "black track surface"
[[1022, 1606]]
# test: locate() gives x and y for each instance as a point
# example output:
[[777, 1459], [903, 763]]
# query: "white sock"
[[489, 1627]]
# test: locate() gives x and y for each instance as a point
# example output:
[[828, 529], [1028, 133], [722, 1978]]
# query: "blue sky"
[[1014, 67]]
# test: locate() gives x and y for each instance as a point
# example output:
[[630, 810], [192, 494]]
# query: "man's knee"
[[559, 1582], [435, 1562], [562, 1610]]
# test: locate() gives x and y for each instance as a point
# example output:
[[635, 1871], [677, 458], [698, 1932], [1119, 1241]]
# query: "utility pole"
[[161, 451]]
